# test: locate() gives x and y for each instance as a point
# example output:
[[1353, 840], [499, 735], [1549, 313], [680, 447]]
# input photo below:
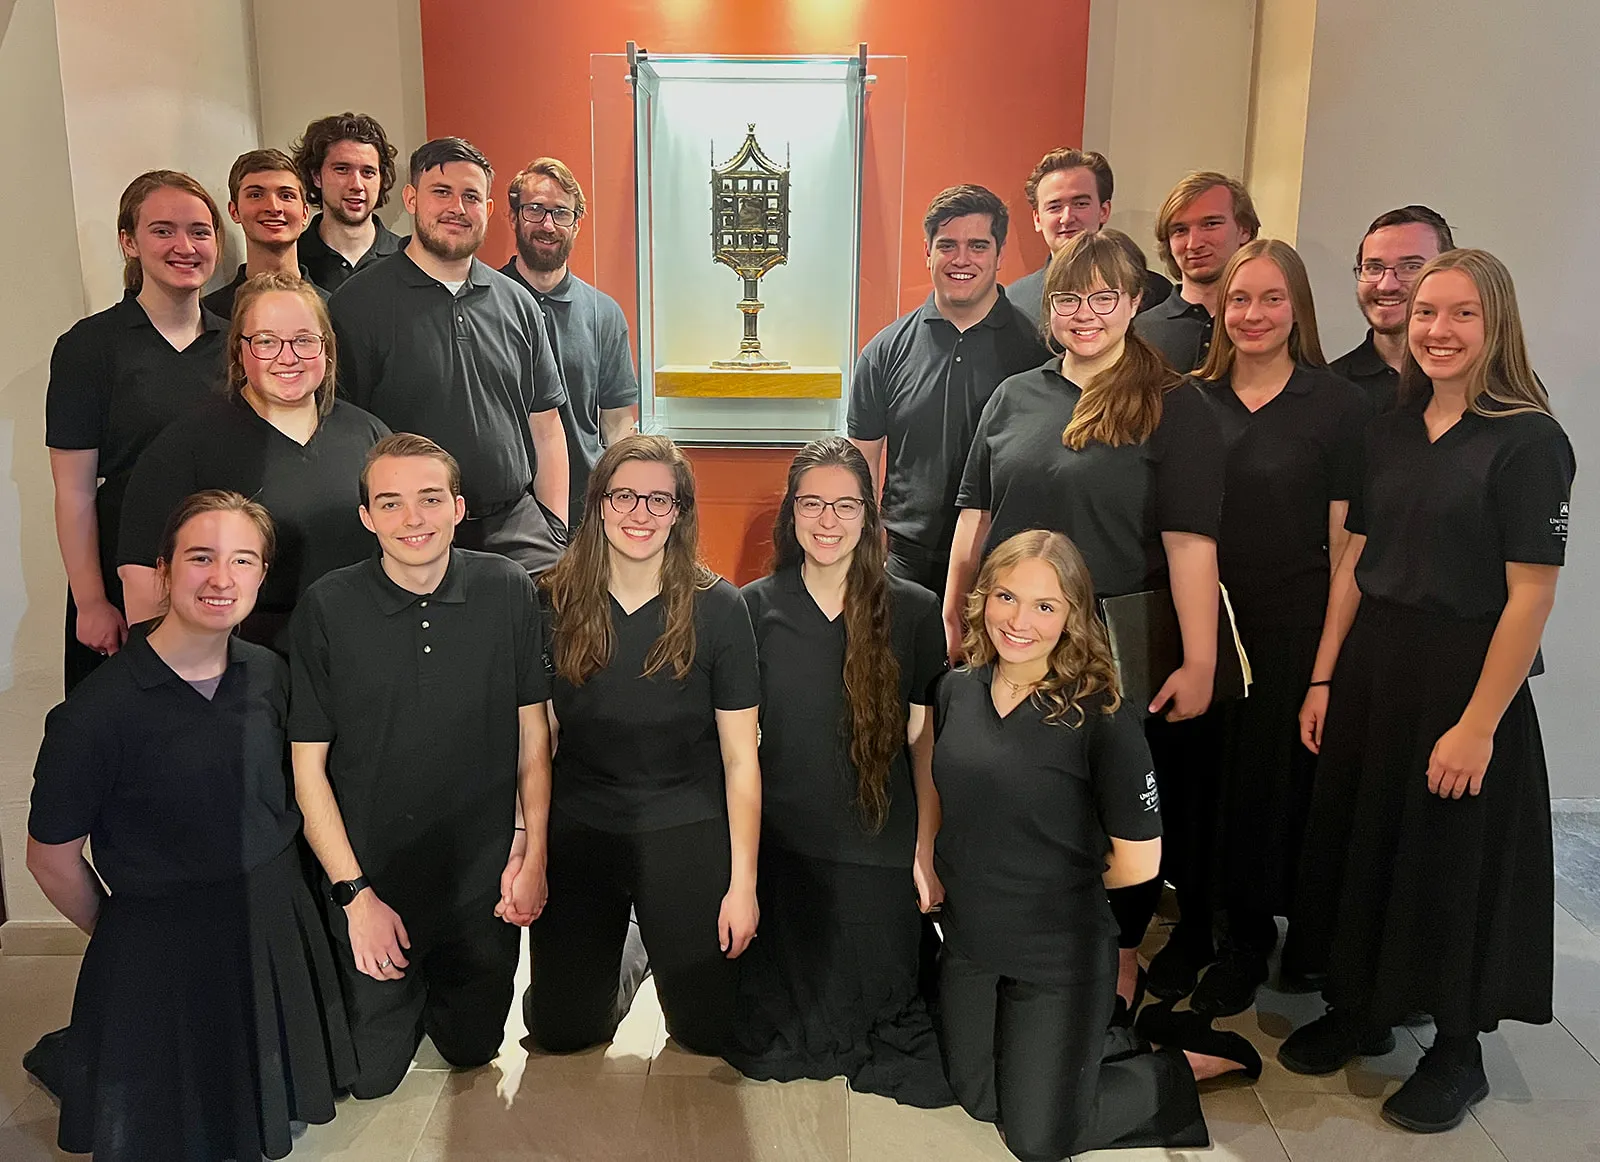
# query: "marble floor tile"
[[1577, 983], [882, 1130], [549, 1116], [383, 1130], [37, 997], [1240, 1132], [1584, 1025], [29, 1134], [1324, 1127], [1543, 1131], [697, 1119]]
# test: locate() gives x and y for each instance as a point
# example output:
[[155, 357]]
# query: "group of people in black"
[[326, 781]]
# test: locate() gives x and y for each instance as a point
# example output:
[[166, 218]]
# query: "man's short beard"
[[446, 251], [339, 214], [543, 262]]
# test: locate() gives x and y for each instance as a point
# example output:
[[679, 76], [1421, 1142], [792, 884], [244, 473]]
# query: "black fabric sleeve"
[[310, 695], [75, 400], [70, 777], [164, 476], [619, 385], [735, 675], [544, 387], [976, 490], [1532, 489], [533, 680], [929, 658], [1345, 457], [1122, 773], [1191, 460], [868, 415]]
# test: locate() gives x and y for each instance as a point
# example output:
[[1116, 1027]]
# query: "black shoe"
[[46, 1062], [1437, 1096], [1330, 1043], [1175, 969], [1229, 986], [1162, 1025]]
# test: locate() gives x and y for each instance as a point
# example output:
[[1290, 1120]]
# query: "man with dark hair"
[[588, 330], [1392, 253], [433, 341], [1205, 218], [268, 200], [1070, 192], [922, 381], [347, 165]]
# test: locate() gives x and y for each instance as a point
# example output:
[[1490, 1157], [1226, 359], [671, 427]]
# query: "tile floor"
[[643, 1098]]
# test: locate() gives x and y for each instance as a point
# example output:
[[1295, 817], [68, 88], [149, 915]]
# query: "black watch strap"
[[345, 891]]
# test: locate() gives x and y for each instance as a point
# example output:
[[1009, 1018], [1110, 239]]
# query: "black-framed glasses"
[[265, 346], [845, 508], [533, 213], [1406, 271], [625, 500], [1066, 304]]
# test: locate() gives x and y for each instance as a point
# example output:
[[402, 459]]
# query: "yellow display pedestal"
[[685, 382]]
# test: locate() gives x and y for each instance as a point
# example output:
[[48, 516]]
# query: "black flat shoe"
[[1229, 986], [1330, 1043], [1438, 1095], [1162, 1025], [46, 1062], [1176, 968]]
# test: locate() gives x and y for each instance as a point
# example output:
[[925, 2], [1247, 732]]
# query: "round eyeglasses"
[[845, 508], [1100, 302], [1406, 271], [265, 346], [625, 500], [534, 213]]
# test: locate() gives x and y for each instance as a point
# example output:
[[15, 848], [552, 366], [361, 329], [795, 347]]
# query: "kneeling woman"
[[207, 1014], [848, 657], [1048, 799]]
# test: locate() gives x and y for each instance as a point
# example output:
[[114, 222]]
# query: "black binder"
[[1148, 647]]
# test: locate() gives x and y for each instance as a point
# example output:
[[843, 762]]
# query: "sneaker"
[[1175, 969], [1229, 986], [1330, 1043], [1437, 1096], [46, 1062]]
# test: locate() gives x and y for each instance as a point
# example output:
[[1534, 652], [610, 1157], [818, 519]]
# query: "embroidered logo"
[[1150, 797]]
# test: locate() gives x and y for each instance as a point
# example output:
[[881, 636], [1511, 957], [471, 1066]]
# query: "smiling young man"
[[347, 166], [1392, 253], [267, 199], [421, 753], [435, 342], [922, 381], [1205, 218]]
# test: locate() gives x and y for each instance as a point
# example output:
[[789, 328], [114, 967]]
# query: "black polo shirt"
[[1113, 502], [465, 370], [115, 383], [1029, 810], [312, 492], [1179, 329], [1443, 519], [328, 268], [589, 335], [921, 383], [1365, 368], [808, 783], [220, 301], [171, 788], [1028, 294], [641, 754], [418, 695]]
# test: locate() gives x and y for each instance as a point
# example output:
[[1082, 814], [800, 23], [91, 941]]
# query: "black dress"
[[1418, 902], [829, 986], [207, 1015]]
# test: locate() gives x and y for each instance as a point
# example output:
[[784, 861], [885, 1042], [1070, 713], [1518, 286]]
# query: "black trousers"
[[673, 880], [457, 989], [526, 531], [1039, 1060]]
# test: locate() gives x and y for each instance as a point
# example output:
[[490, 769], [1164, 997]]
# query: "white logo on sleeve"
[[1150, 797], [1558, 523]]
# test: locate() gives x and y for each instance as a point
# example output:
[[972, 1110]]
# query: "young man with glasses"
[[588, 331], [1392, 253], [268, 200]]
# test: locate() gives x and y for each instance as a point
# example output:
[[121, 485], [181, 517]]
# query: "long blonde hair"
[[1081, 665], [1305, 347]]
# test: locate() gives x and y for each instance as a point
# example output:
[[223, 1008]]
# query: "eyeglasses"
[[534, 213], [845, 508], [264, 346], [625, 500], [1406, 271], [1100, 302]]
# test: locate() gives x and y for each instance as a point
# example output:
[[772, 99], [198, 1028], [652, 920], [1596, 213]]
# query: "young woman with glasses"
[[656, 797], [849, 655]]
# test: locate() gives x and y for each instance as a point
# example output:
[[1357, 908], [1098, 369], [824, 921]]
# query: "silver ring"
[[385, 964]]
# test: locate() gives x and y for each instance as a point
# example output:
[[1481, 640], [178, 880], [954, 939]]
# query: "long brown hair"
[[267, 283], [1305, 347], [1121, 405], [1503, 372], [1081, 665], [132, 202], [875, 722], [579, 584]]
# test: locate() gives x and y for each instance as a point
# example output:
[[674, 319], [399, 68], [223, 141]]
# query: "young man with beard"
[[421, 753], [922, 381], [347, 165], [1070, 192], [268, 200], [588, 331], [1205, 218], [1392, 253], [433, 341]]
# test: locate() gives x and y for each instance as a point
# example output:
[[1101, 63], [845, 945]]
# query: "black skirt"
[[829, 985], [1416, 902], [205, 1021]]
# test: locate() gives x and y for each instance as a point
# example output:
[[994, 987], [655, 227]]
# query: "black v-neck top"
[[808, 783]]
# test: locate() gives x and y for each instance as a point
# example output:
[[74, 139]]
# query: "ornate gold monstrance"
[[750, 233]]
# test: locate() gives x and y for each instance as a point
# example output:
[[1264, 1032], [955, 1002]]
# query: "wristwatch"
[[345, 891]]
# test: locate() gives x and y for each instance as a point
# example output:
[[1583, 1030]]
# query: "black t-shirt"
[[465, 370], [327, 267], [1364, 367], [642, 754], [220, 301], [1443, 519], [1027, 293], [115, 383], [418, 695], [1113, 502], [1029, 807], [171, 787], [808, 783], [1287, 462], [312, 491], [1179, 329], [921, 383]]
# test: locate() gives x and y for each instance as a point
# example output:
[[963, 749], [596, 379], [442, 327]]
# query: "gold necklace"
[[1017, 687]]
